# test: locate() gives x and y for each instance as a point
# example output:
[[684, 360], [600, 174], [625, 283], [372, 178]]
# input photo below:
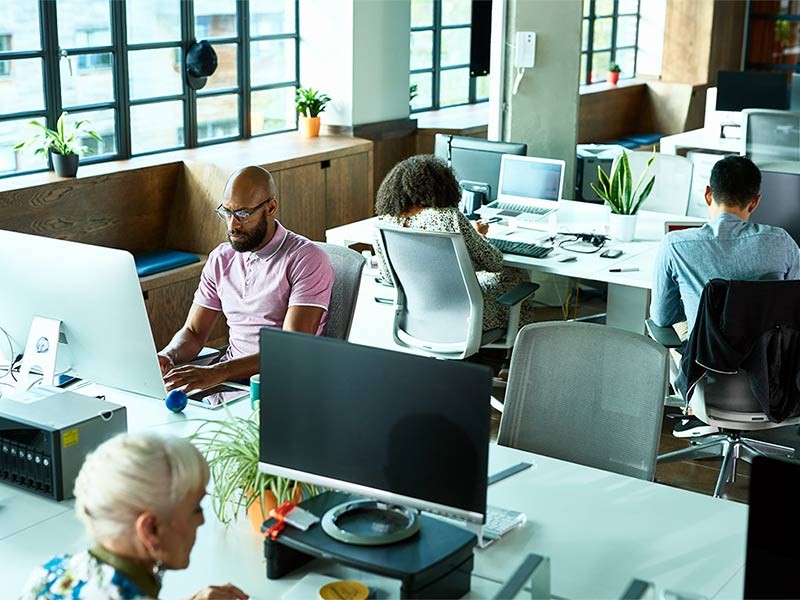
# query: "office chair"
[[726, 402], [673, 181], [439, 305], [771, 135], [586, 393], [347, 266]]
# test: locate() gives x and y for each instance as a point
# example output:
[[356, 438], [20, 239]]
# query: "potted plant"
[[622, 197], [613, 73], [309, 103], [63, 143], [231, 447]]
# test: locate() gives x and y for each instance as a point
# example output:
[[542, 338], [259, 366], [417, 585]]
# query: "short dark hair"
[[735, 181], [422, 180]]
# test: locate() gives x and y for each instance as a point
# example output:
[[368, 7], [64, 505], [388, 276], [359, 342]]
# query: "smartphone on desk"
[[217, 396]]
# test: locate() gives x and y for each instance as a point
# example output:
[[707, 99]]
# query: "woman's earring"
[[158, 566]]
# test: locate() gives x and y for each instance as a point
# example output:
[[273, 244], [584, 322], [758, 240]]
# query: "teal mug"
[[255, 389]]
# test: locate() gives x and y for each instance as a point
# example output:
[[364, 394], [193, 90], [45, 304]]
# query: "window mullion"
[[190, 105], [437, 54], [52, 77], [243, 9], [590, 42], [614, 30], [119, 39]]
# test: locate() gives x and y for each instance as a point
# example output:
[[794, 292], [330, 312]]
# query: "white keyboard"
[[520, 207], [500, 521]]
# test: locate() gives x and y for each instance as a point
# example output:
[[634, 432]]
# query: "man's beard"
[[250, 239]]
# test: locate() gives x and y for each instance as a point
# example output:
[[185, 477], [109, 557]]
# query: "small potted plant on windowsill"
[[624, 200], [231, 447], [63, 143], [309, 103], [613, 73]]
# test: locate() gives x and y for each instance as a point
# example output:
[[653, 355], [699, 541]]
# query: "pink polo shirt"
[[255, 289]]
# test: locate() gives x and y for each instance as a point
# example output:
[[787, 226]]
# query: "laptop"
[[529, 187], [670, 226]]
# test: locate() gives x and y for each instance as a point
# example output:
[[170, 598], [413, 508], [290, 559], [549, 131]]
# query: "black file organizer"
[[435, 563]]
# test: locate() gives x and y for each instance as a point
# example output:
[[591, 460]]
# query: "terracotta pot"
[[257, 517], [613, 77], [309, 126]]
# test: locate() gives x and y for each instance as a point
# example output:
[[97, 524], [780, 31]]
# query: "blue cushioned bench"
[[157, 261], [631, 142]]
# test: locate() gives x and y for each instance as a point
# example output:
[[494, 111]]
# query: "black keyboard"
[[522, 248]]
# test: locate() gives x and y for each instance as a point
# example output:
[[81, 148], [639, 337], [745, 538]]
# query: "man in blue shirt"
[[727, 247]]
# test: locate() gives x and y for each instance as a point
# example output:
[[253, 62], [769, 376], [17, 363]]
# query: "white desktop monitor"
[[95, 293], [536, 180]]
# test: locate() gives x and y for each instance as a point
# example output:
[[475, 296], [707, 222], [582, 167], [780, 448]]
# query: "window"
[[773, 37], [610, 34], [440, 45], [119, 64]]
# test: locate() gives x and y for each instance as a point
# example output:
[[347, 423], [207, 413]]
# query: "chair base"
[[732, 447]]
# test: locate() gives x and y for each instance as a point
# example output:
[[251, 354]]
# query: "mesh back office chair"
[[439, 305], [347, 266], [586, 393], [673, 181], [771, 135]]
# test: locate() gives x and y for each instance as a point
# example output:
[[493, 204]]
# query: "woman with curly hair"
[[421, 192]]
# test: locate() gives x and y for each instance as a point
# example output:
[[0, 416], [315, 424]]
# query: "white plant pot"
[[621, 227]]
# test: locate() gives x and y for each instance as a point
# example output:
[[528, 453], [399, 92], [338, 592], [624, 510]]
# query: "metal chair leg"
[[768, 448], [704, 450], [726, 469]]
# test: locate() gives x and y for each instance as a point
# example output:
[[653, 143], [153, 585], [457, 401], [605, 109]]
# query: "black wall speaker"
[[480, 40]]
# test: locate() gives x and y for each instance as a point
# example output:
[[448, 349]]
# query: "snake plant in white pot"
[[622, 196]]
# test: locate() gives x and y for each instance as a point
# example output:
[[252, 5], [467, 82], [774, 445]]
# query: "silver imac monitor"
[[398, 428], [95, 293]]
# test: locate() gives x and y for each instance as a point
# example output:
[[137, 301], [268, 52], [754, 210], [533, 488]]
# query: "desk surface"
[[599, 529], [700, 139]]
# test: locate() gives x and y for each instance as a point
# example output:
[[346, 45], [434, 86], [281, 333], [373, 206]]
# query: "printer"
[[590, 156]]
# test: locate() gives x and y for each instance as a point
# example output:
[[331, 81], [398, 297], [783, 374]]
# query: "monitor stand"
[[40, 353], [370, 523]]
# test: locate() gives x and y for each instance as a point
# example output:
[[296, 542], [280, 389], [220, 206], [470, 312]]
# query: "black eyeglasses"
[[242, 215]]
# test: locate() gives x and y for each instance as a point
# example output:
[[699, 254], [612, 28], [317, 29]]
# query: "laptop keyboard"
[[521, 248], [520, 207]]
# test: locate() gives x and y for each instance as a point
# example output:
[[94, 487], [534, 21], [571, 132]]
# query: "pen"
[[623, 270]]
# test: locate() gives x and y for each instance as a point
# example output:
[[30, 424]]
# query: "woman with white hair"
[[139, 497]]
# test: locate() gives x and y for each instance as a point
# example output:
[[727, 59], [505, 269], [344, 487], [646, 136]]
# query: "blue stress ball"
[[176, 400]]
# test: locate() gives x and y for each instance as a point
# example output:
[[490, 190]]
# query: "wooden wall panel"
[[610, 115], [348, 190], [388, 152], [687, 38], [728, 37], [301, 200], [127, 210]]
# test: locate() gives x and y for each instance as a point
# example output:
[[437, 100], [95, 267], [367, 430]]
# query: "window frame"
[[589, 21], [436, 28], [51, 55]]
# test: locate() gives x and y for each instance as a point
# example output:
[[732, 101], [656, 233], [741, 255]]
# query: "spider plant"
[[617, 188], [64, 139], [231, 447]]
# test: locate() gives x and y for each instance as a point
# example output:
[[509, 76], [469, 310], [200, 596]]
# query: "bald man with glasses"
[[265, 275]]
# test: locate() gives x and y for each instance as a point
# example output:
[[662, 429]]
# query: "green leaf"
[[645, 193]]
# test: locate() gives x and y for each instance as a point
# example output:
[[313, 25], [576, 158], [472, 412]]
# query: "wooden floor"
[[697, 475]]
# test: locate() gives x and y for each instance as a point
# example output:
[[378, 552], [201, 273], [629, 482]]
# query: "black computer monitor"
[[780, 202], [399, 428], [773, 551], [476, 160], [737, 90]]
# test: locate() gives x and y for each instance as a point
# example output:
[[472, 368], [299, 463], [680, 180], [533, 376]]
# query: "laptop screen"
[[670, 226], [535, 178]]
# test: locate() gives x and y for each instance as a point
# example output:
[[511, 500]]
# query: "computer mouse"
[[568, 259]]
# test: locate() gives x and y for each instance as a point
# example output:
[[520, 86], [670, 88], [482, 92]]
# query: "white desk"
[[600, 530], [700, 139], [628, 292]]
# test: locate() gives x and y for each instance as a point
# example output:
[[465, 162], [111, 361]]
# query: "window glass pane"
[[214, 18], [626, 31], [21, 89], [19, 23], [217, 117], [272, 110], [585, 35], [600, 62], [421, 13], [604, 8], [625, 60], [83, 23], [456, 12], [423, 99], [628, 6], [89, 81], [421, 50], [587, 4], [156, 126], [272, 62], [268, 17], [153, 21], [102, 123], [602, 33], [455, 47], [454, 87], [583, 69], [227, 73], [12, 132], [482, 87], [153, 73]]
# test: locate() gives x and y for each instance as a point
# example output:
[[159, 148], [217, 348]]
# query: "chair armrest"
[[665, 336], [518, 293]]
